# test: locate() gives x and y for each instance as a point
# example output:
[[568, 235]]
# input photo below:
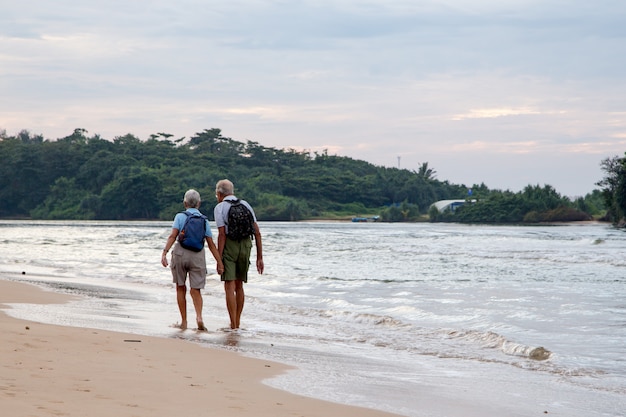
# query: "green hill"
[[81, 177]]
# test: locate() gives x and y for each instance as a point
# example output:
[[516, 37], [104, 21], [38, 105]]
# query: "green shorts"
[[236, 259]]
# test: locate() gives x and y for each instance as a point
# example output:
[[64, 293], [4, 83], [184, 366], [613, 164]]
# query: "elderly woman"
[[188, 258]]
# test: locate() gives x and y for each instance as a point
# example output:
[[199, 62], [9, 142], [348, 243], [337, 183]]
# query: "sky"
[[506, 93]]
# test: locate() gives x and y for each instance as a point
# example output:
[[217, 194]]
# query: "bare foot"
[[201, 326], [183, 325]]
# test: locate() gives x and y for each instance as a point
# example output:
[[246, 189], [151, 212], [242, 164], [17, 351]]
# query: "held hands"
[[220, 265]]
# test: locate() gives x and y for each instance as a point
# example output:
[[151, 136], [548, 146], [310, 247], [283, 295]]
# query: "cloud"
[[495, 112], [440, 81]]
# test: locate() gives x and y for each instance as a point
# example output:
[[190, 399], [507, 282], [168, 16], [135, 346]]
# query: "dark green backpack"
[[240, 221]]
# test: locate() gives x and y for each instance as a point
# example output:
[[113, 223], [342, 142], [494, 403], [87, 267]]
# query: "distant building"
[[444, 205]]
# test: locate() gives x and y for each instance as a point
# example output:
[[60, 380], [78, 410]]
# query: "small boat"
[[365, 219]]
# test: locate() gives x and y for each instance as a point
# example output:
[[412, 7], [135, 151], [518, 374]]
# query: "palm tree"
[[425, 172]]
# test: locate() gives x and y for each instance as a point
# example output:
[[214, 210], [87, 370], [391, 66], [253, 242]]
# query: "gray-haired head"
[[225, 187], [192, 199]]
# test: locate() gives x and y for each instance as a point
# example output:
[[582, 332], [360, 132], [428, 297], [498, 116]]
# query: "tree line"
[[613, 189], [84, 177]]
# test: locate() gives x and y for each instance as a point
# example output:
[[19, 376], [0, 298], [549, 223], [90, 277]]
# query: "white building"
[[443, 205]]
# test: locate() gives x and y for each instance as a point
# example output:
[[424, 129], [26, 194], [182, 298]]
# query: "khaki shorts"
[[236, 259], [188, 263]]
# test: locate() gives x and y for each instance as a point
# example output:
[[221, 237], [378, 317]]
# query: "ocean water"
[[417, 319]]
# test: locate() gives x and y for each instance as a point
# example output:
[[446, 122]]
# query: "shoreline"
[[61, 370]]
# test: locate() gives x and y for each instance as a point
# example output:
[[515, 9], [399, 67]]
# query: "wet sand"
[[49, 370]]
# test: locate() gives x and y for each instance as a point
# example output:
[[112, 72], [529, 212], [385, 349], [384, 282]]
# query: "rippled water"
[[518, 320]]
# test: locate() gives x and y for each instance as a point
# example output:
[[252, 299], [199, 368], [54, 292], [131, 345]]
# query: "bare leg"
[[231, 302], [181, 297], [196, 296], [241, 298]]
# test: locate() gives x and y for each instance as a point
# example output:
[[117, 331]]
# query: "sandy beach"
[[49, 370]]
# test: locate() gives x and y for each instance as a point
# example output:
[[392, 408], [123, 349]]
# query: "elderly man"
[[234, 245]]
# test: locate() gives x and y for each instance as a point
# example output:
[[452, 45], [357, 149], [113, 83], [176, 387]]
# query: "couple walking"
[[232, 253]]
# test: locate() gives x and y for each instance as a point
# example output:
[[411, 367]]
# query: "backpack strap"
[[186, 213], [232, 203]]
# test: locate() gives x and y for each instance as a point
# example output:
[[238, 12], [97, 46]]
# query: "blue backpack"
[[192, 234]]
